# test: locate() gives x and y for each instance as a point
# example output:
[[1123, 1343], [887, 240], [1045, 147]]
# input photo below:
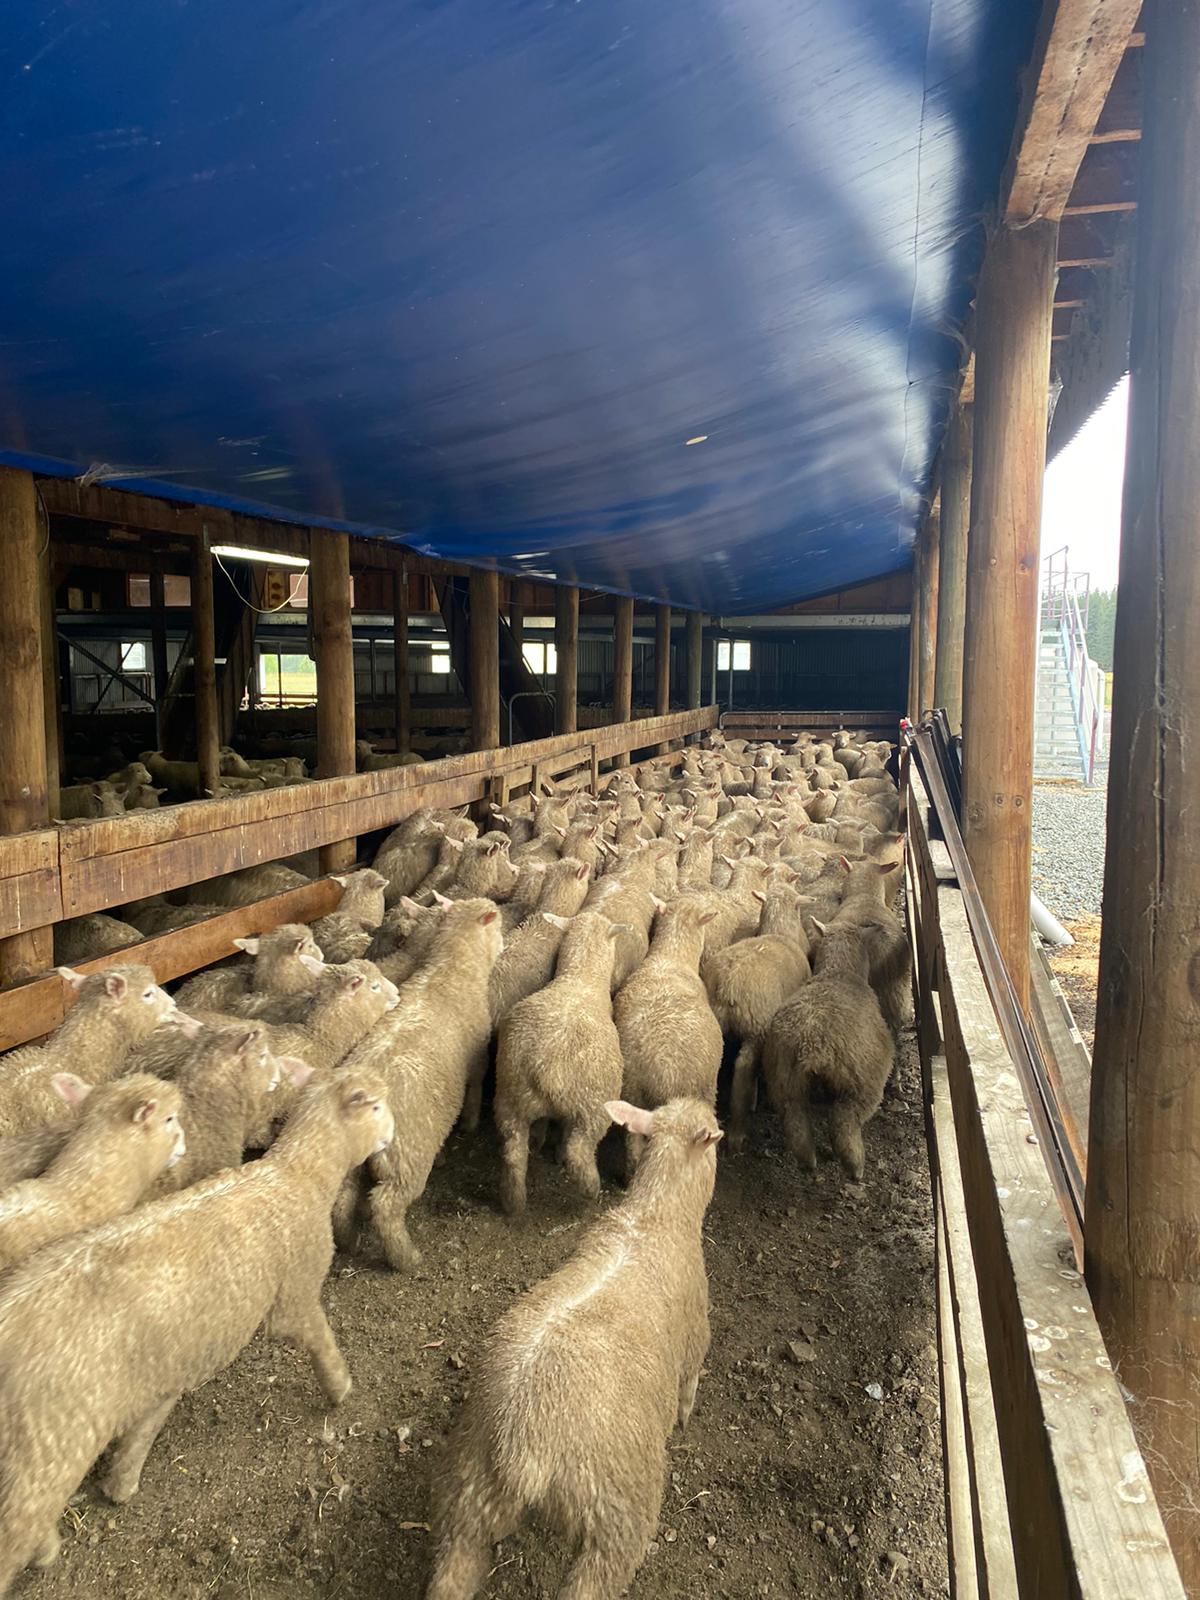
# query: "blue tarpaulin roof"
[[473, 273]]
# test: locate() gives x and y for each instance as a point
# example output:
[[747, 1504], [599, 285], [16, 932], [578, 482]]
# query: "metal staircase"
[[1068, 717]]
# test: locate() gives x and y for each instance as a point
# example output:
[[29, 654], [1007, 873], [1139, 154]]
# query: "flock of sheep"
[[140, 785], [607, 946]]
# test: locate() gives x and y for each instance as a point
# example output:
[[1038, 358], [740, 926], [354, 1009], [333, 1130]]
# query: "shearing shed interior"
[[525, 1065]]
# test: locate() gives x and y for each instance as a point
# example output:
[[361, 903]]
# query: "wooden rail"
[[79, 867], [767, 724], [1047, 1493]]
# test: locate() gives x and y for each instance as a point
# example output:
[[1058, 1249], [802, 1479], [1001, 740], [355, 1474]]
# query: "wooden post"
[[622, 702], [914, 630], [22, 726], [403, 697], [333, 651], [51, 696], [1012, 372], [484, 601], [158, 625], [566, 645], [930, 571], [695, 657], [516, 616], [662, 666], [952, 579], [1143, 1173], [204, 667]]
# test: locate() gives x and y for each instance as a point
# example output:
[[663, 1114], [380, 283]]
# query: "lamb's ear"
[[190, 1027], [144, 1111], [441, 900], [631, 1117], [410, 905], [374, 880], [70, 1088], [845, 863], [709, 916], [759, 896], [115, 986], [614, 928], [456, 844], [729, 862], [311, 964], [583, 871], [821, 927], [703, 1138], [298, 1071], [339, 877], [886, 867], [556, 921], [486, 917], [246, 1041], [250, 944], [659, 905], [69, 975]]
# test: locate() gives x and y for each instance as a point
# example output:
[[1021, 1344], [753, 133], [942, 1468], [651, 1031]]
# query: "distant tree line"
[[1102, 616]]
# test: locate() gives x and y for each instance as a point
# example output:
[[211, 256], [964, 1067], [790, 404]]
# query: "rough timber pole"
[[662, 665], [333, 646], [695, 658], [1012, 373], [484, 599], [403, 696], [204, 668], [931, 568], [516, 617], [51, 705], [22, 725], [952, 577], [566, 647], [1143, 1178], [622, 709], [914, 629]]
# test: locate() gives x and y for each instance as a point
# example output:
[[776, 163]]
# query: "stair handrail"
[[1083, 694]]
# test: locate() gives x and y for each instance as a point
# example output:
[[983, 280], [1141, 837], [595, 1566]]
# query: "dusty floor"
[[812, 1466]]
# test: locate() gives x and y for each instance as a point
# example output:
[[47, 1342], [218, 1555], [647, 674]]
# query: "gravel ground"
[[1068, 847]]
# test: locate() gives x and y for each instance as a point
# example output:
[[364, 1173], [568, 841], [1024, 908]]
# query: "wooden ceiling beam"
[[95, 502], [1080, 46]]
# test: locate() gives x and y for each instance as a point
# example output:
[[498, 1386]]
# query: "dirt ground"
[[1077, 968], [812, 1466]]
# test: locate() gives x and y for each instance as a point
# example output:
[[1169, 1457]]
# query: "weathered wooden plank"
[[989, 1506], [116, 859], [1079, 48], [1085, 1523], [29, 885], [29, 1010], [956, 1465]]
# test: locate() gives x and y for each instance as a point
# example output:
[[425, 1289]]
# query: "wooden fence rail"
[[1046, 1490], [78, 867]]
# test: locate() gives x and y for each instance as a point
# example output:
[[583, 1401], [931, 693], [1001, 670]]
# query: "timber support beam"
[[1012, 367], [333, 646], [566, 649], [1142, 1231], [23, 764]]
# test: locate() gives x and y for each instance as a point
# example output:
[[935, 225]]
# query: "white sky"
[[1081, 501]]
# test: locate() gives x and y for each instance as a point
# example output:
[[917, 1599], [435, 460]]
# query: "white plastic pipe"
[[1048, 926]]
